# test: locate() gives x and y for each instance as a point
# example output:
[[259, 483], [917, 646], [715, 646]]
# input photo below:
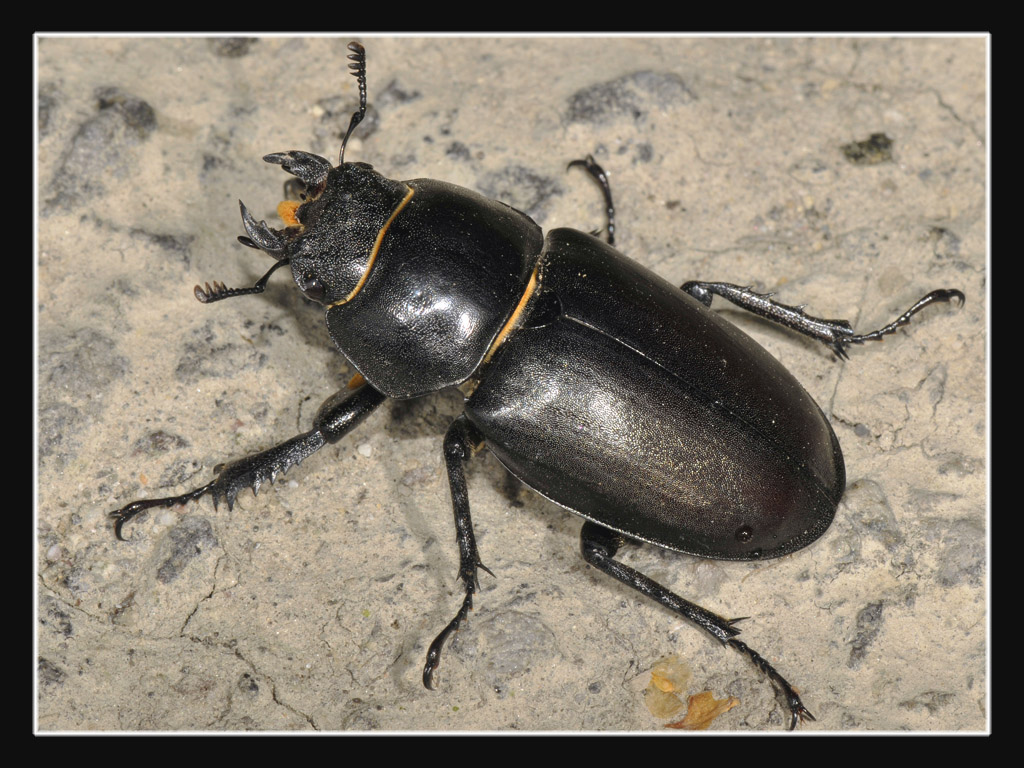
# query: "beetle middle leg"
[[589, 164], [836, 334], [338, 415], [599, 545], [460, 443]]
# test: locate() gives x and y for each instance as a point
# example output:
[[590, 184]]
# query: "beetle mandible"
[[601, 386]]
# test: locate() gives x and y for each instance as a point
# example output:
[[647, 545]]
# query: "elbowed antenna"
[[358, 67], [261, 237], [219, 291]]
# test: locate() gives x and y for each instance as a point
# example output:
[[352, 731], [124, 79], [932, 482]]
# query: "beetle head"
[[329, 238], [332, 236]]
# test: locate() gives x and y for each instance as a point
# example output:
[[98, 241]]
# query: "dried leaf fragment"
[[669, 675], [704, 708], [662, 704]]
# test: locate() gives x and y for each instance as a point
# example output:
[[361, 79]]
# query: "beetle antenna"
[[358, 67], [220, 291]]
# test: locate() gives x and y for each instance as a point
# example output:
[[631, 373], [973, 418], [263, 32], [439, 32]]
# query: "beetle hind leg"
[[599, 545], [460, 443], [837, 335], [797, 711]]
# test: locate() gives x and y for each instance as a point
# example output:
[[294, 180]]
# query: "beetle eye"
[[312, 287], [744, 534]]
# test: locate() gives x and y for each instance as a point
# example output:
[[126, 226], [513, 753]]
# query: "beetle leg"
[[589, 164], [836, 334], [339, 414], [460, 443], [599, 545]]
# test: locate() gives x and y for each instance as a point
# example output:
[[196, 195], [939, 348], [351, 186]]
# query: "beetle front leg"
[[836, 334], [599, 545], [338, 415], [460, 443]]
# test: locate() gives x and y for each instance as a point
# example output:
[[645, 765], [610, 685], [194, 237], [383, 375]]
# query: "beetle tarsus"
[[837, 335], [128, 511], [460, 442], [589, 164], [797, 710], [434, 652], [940, 294]]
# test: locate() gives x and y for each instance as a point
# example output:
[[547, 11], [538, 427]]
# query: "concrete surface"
[[311, 606]]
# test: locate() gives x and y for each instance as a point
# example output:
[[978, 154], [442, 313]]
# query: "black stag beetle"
[[601, 386]]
